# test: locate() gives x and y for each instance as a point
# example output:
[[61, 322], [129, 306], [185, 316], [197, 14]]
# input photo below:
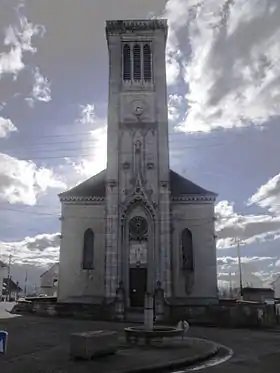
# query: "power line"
[[93, 141], [94, 217], [99, 147]]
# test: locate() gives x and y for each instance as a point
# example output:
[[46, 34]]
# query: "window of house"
[[88, 249], [187, 250]]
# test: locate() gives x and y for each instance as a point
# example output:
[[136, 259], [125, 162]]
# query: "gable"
[[96, 187]]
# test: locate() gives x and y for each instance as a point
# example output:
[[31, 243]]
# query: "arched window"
[[88, 249], [187, 250], [147, 62], [126, 62], [137, 62]]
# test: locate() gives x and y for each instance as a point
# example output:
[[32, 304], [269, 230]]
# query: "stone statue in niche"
[[120, 302], [159, 302]]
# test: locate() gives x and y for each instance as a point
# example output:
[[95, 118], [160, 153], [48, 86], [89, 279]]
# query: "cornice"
[[85, 200], [128, 26], [194, 198]]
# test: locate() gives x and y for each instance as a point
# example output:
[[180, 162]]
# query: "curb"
[[180, 363]]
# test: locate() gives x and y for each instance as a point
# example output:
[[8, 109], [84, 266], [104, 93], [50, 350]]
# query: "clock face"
[[138, 107]]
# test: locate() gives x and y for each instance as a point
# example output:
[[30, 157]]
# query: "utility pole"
[[240, 268], [25, 281], [230, 285]]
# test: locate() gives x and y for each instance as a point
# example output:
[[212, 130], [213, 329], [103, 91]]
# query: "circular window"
[[138, 228]]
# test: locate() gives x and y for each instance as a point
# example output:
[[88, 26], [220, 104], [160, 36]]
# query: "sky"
[[223, 74]]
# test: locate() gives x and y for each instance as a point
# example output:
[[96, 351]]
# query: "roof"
[[13, 286], [3, 265], [55, 264], [93, 187], [179, 185], [275, 280], [96, 187]]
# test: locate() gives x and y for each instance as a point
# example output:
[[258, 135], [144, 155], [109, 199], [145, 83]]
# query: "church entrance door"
[[138, 286]]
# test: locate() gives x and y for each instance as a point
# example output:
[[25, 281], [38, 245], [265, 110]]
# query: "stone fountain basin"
[[140, 332]]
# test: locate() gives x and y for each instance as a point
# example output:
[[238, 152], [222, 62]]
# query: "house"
[[11, 289], [276, 286], [49, 281], [258, 294], [3, 274]]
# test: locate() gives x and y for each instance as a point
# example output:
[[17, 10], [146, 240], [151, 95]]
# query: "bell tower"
[[137, 185]]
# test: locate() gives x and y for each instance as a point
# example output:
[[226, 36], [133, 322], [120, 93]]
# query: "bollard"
[[149, 311], [3, 342]]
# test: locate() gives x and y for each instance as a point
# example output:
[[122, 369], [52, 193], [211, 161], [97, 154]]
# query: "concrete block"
[[93, 344]]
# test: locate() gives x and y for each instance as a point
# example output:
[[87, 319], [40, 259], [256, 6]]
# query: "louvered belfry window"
[[147, 62], [126, 62], [136, 62]]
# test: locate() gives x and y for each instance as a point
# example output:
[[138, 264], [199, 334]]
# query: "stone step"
[[133, 316]]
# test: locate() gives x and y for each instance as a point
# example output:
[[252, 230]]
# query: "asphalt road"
[[36, 337]]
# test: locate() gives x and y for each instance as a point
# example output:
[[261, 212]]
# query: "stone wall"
[[198, 217], [76, 284], [238, 315], [235, 315]]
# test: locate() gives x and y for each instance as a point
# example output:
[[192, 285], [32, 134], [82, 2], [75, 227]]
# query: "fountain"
[[149, 331]]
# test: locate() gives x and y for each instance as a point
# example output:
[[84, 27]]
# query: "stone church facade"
[[138, 224]]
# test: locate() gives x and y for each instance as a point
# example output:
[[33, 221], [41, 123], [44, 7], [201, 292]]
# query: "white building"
[[137, 223], [3, 274], [49, 281], [276, 287]]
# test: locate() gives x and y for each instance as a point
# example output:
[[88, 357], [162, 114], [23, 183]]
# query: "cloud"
[[249, 228], [233, 260], [174, 107], [39, 251], [268, 195], [41, 90], [97, 160], [18, 38], [87, 114], [231, 67], [23, 182], [6, 126]]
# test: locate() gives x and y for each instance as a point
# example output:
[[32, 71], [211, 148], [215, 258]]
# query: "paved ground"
[[42, 345], [33, 341], [254, 351]]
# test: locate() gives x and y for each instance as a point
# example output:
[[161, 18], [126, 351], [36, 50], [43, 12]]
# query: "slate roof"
[[95, 187], [92, 187], [179, 185]]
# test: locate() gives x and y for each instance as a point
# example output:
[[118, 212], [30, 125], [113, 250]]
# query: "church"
[[138, 224]]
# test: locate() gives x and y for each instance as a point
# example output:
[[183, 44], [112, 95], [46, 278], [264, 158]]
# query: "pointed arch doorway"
[[138, 260]]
